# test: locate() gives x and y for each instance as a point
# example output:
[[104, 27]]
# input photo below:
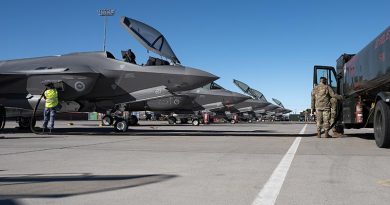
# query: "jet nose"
[[237, 98], [193, 78]]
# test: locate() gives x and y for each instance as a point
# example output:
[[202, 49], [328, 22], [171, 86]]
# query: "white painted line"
[[269, 193]]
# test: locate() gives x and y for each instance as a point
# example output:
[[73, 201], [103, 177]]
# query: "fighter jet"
[[248, 109], [187, 104], [95, 81], [258, 106]]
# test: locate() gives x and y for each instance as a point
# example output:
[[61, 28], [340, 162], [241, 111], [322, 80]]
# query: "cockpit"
[[213, 86]]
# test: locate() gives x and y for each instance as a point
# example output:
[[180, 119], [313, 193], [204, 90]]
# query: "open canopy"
[[278, 102], [149, 37], [250, 91]]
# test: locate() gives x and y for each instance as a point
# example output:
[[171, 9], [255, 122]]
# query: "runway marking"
[[269, 193]]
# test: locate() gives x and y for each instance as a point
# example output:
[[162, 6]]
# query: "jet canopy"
[[250, 91], [213, 86], [278, 102], [149, 37]]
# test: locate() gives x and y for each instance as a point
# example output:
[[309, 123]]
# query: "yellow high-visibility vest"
[[51, 98]]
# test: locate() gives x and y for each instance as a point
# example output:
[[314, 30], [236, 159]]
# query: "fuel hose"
[[32, 127]]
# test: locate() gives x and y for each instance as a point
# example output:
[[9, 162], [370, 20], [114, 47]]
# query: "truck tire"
[[382, 124]]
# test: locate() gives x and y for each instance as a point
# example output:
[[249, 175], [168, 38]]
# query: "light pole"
[[105, 13]]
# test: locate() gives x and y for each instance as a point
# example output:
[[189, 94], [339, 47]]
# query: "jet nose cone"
[[194, 78]]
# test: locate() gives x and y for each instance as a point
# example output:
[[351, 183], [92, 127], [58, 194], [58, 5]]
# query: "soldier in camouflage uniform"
[[321, 103]]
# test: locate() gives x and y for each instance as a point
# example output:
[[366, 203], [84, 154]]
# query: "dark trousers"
[[49, 116]]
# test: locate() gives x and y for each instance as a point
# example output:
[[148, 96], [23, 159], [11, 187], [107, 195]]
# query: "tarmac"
[[155, 163]]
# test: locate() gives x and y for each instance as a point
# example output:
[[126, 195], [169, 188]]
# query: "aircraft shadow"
[[152, 132], [40, 186]]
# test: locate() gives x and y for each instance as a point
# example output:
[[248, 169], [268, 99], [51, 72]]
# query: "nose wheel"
[[24, 122], [107, 120]]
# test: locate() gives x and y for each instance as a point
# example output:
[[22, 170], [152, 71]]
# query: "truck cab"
[[364, 82]]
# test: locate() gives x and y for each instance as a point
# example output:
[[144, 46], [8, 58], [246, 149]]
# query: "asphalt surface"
[[212, 164]]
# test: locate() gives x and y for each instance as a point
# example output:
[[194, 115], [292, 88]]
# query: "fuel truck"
[[363, 79]]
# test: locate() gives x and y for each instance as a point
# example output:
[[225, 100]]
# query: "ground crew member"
[[51, 105], [321, 104]]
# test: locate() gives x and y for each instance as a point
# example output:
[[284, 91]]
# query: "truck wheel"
[[172, 120], [121, 125], [107, 120], [382, 124]]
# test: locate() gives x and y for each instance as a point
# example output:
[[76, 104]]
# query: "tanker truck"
[[363, 79]]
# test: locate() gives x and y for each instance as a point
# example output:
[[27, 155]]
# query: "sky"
[[272, 45]]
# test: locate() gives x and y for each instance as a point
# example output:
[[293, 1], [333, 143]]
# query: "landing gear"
[[133, 120], [121, 125], [24, 123], [195, 122], [2, 117], [382, 124], [107, 120], [183, 120], [172, 120]]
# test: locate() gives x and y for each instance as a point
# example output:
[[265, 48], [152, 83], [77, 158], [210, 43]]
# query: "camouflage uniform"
[[321, 101], [333, 110]]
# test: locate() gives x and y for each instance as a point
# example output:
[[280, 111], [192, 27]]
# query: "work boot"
[[318, 134], [327, 135]]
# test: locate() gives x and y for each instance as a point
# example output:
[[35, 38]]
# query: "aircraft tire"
[[195, 122], [121, 125], [172, 120], [107, 120], [24, 122], [382, 124]]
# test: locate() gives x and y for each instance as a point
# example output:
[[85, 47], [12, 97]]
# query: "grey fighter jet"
[[248, 109], [95, 81], [258, 106], [188, 104]]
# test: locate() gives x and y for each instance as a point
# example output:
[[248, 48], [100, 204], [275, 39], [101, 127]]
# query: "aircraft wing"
[[151, 93]]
